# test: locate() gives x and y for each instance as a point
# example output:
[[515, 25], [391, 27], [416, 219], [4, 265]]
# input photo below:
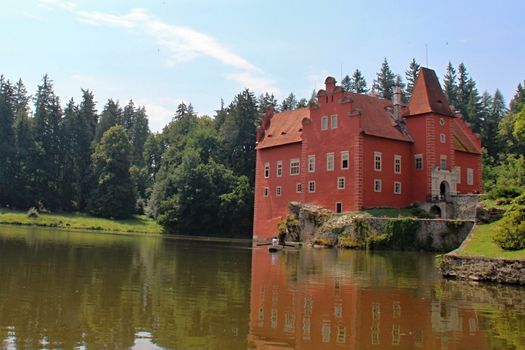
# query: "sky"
[[163, 52]]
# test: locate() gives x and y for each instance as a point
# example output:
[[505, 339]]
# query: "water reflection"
[[358, 300], [72, 290], [63, 290]]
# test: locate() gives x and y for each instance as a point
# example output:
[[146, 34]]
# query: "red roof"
[[376, 117], [285, 127], [427, 96], [462, 141]]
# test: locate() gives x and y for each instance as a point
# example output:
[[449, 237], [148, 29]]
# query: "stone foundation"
[[475, 268]]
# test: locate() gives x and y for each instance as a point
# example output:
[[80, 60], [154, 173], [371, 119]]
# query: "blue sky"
[[162, 52]]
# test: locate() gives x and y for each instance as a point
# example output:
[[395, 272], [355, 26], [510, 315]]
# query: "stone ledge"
[[479, 268]]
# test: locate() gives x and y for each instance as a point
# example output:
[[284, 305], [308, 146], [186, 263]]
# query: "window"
[[333, 121], [396, 334], [443, 162], [470, 176], [299, 187], [397, 164], [345, 160], [341, 334], [377, 185], [278, 191], [377, 161], [311, 186], [324, 122], [338, 209], [311, 163], [294, 166], [279, 168], [266, 170], [397, 187], [341, 183], [442, 121], [419, 161], [266, 191], [329, 162], [442, 138], [458, 171]]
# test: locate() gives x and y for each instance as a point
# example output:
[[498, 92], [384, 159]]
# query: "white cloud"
[[183, 43], [256, 83], [158, 115]]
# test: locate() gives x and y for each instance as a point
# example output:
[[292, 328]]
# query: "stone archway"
[[444, 191], [435, 211]]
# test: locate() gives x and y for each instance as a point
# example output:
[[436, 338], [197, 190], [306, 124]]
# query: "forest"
[[197, 175]]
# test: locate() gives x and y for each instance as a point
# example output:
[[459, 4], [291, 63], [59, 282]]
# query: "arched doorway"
[[444, 191], [435, 211]]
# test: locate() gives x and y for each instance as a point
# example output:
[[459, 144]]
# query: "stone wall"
[[475, 268], [464, 206], [360, 231]]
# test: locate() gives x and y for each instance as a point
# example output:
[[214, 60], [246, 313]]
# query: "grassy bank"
[[139, 224], [481, 244]]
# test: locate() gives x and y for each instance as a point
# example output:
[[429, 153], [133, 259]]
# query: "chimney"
[[396, 100], [330, 84]]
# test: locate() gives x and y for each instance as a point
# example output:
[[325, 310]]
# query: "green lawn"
[[481, 244], [139, 224]]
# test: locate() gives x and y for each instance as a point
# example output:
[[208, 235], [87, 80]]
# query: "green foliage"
[[400, 234], [411, 77], [358, 83], [114, 194], [385, 81], [511, 232], [507, 178]]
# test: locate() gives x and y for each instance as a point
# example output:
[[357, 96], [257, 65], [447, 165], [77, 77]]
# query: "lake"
[[74, 290]]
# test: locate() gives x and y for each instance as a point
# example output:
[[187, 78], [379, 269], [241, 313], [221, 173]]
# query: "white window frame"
[[311, 186], [299, 187], [345, 156], [341, 183], [330, 160], [397, 164], [333, 121], [279, 168], [443, 158], [378, 188], [470, 176], [324, 122], [266, 191], [378, 157], [278, 191], [311, 163], [416, 158], [266, 170], [442, 138], [397, 187], [458, 171], [295, 166]]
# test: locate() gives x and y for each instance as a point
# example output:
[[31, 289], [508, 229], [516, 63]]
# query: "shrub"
[[505, 191], [33, 213], [420, 213], [511, 233]]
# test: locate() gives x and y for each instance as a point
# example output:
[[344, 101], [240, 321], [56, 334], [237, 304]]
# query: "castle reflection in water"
[[354, 300]]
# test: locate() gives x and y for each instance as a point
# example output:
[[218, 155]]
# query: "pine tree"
[[450, 86], [411, 76], [399, 83], [518, 100], [302, 103], [385, 82], [289, 103], [463, 91], [25, 160], [264, 102], [493, 112], [473, 107], [48, 137], [111, 116], [313, 99], [346, 83], [71, 176], [238, 131], [358, 83], [127, 115], [7, 141]]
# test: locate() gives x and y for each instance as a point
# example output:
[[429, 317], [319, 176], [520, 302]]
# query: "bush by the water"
[[505, 191], [511, 233], [33, 213]]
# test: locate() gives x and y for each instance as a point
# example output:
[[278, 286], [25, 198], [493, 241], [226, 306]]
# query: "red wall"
[[388, 149], [269, 210], [469, 160]]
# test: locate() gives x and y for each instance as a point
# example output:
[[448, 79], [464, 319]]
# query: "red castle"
[[350, 151]]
